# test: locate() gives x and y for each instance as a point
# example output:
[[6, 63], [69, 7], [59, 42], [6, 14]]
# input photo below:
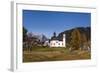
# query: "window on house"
[[59, 43]]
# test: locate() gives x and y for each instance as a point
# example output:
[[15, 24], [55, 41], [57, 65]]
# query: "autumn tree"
[[32, 41], [75, 39], [84, 39], [84, 42]]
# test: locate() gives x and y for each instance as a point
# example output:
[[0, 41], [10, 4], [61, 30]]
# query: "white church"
[[58, 43]]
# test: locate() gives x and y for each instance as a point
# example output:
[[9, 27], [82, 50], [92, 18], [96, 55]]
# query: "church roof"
[[56, 38]]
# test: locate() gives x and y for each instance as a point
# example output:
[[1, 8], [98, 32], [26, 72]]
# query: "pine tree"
[[24, 33]]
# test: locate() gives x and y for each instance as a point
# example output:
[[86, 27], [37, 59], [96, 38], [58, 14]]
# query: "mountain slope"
[[82, 30]]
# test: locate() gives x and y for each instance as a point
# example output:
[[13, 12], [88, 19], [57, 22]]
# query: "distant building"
[[46, 43], [58, 43]]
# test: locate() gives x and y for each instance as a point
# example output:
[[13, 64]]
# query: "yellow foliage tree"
[[75, 39]]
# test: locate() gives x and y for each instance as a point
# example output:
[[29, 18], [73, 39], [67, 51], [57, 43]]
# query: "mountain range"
[[82, 30]]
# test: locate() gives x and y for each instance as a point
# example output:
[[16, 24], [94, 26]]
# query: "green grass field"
[[54, 54]]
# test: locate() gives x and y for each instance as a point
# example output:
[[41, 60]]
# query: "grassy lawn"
[[53, 54]]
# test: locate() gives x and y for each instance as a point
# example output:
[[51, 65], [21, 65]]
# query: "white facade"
[[57, 43]]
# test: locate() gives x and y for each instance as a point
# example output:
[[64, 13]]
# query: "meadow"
[[39, 54]]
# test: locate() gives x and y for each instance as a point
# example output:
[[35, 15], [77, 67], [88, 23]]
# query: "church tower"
[[64, 40]]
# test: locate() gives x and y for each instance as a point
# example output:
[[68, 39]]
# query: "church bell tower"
[[64, 40]]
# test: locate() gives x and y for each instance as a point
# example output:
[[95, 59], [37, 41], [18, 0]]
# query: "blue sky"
[[47, 22]]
